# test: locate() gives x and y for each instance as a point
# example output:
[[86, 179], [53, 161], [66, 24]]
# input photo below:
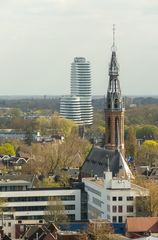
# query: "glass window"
[[9, 224], [119, 208], [114, 208], [114, 198], [108, 208], [120, 219], [130, 208], [120, 198], [69, 207], [9, 235], [114, 219], [108, 197], [129, 198], [71, 217]]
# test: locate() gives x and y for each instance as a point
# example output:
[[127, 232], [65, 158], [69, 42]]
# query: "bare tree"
[[100, 230], [55, 211]]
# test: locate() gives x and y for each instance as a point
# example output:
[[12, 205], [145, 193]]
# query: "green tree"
[[131, 142], [16, 112], [147, 205], [43, 125], [147, 154], [30, 129], [7, 149], [62, 125], [147, 132]]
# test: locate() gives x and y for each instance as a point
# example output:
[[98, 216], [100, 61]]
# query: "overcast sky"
[[40, 38]]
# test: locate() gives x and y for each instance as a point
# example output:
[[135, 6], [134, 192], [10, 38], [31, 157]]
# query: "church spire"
[[114, 108], [114, 99]]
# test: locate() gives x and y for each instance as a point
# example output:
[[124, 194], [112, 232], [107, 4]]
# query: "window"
[[120, 198], [108, 198], [114, 219], [114, 208], [116, 103], [93, 191], [114, 198], [129, 198], [71, 217], [130, 208], [120, 219], [67, 198], [9, 235], [119, 208], [108, 208], [69, 207], [9, 224], [97, 202]]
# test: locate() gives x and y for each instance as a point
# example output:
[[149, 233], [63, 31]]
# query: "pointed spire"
[[114, 100], [113, 45], [113, 68]]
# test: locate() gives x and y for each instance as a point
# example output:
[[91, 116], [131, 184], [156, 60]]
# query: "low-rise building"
[[23, 202], [141, 227]]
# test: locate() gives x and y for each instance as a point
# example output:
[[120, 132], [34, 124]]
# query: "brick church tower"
[[114, 108]]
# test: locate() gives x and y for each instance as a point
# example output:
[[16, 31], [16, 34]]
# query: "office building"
[[112, 198], [24, 203]]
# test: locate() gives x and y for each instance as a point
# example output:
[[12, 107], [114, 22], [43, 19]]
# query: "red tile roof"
[[142, 224]]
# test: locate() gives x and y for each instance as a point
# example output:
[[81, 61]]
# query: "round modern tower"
[[81, 87]]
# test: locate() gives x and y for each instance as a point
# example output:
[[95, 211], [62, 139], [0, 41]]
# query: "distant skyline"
[[40, 38]]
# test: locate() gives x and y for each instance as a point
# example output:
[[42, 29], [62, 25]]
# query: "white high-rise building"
[[81, 86], [70, 108], [81, 89]]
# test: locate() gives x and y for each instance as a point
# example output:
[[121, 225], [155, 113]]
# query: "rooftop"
[[142, 224]]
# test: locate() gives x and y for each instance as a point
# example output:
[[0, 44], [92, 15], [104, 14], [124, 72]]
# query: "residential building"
[[78, 106], [51, 231], [141, 227]]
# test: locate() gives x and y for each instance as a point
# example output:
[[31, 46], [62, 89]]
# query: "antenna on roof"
[[108, 165]]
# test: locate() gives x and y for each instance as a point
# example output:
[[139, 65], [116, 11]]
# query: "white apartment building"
[[112, 198]]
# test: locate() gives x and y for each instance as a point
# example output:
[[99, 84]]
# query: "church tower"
[[114, 108]]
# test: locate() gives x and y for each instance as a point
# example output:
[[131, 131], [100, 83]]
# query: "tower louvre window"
[[116, 104], [116, 130], [108, 132]]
